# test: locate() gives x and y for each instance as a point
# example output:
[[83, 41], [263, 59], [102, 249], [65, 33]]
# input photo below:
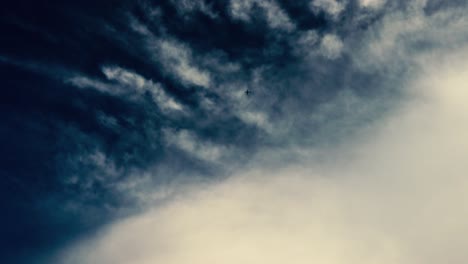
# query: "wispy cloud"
[[176, 57], [407, 33], [331, 46], [194, 146], [188, 6], [141, 85], [276, 17], [127, 83], [372, 4], [370, 201], [331, 7]]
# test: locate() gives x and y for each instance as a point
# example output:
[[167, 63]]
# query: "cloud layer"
[[171, 130], [395, 195]]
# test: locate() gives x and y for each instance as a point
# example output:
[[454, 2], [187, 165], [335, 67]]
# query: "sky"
[[234, 131]]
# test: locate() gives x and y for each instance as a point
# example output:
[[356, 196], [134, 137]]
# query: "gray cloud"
[[178, 58], [314, 131], [188, 6], [394, 195], [275, 16], [331, 7], [141, 85]]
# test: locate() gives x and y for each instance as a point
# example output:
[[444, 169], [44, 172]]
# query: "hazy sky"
[[236, 131]]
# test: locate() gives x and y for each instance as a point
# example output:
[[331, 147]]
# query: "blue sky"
[[318, 130]]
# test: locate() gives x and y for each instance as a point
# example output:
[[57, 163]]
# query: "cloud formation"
[[331, 46], [178, 58], [394, 195], [141, 85], [275, 16], [372, 4], [316, 131], [331, 7]]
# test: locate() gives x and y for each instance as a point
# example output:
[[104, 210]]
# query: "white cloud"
[[86, 82], [243, 106], [331, 46], [178, 59], [332, 7], [240, 9], [372, 4], [175, 57], [275, 16], [138, 27], [310, 44], [190, 143], [124, 77], [188, 6], [256, 118], [395, 195], [139, 186], [404, 35], [128, 83], [141, 85], [308, 39]]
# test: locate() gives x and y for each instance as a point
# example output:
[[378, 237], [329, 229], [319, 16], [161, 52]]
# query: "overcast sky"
[[234, 131]]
